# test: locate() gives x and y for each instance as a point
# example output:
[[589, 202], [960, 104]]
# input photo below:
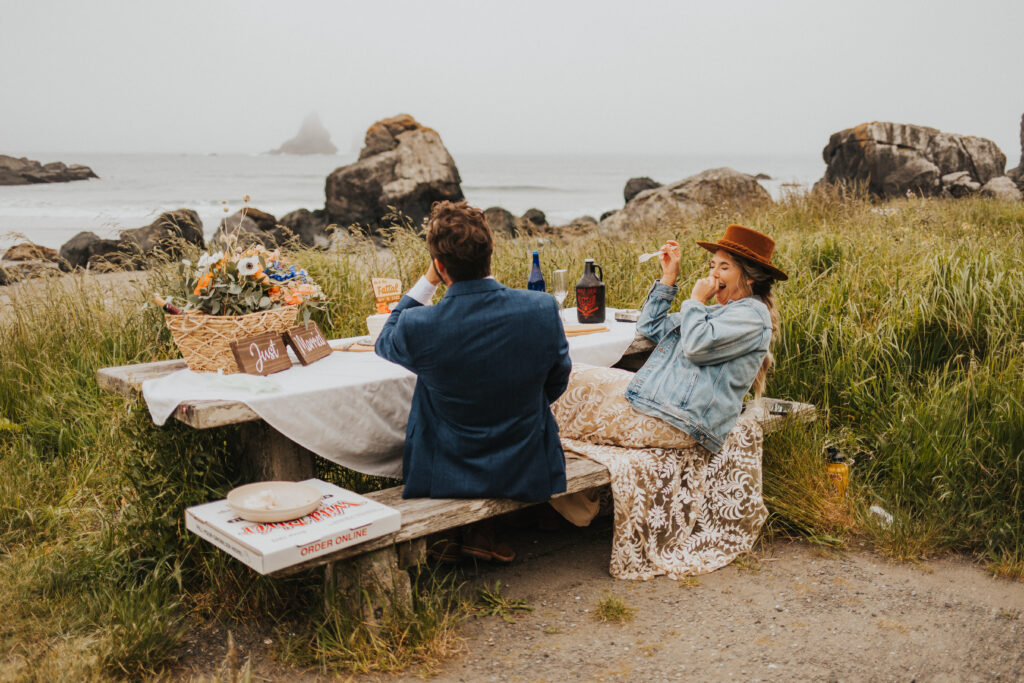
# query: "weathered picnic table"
[[272, 456]]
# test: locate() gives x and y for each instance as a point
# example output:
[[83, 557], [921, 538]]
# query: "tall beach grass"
[[902, 322]]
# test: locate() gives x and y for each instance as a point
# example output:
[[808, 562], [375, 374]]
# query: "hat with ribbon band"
[[751, 245]]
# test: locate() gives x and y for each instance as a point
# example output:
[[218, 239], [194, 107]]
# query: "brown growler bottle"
[[590, 294]]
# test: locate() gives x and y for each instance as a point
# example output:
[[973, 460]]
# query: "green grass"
[[612, 609], [491, 601], [904, 327]]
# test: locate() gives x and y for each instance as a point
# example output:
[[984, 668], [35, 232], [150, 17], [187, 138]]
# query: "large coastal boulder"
[[27, 260], [312, 138], [533, 220], [16, 271], [402, 165], [893, 159], [84, 247], [165, 237], [1002, 188], [27, 251], [689, 198], [311, 227], [167, 234], [959, 184], [250, 225], [22, 171], [501, 220], [635, 186]]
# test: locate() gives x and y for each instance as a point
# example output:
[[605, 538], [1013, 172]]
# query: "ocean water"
[[133, 189]]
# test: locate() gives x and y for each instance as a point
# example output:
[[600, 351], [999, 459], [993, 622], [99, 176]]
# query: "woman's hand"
[[704, 289], [670, 257]]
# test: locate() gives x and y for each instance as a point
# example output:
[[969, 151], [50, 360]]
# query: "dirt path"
[[798, 612]]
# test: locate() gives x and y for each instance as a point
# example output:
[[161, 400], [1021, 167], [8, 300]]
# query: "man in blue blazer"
[[489, 361]]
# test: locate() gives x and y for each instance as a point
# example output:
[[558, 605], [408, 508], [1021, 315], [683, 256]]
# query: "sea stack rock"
[[14, 171], [893, 159], [688, 198], [402, 165], [312, 138]]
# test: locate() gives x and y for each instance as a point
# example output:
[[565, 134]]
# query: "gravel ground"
[[791, 612]]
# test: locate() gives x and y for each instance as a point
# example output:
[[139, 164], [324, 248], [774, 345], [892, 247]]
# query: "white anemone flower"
[[248, 265], [205, 260]]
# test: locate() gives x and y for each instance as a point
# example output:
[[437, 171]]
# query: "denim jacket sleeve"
[[655, 321], [711, 339]]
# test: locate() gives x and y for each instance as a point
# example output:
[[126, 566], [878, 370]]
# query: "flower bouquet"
[[228, 296]]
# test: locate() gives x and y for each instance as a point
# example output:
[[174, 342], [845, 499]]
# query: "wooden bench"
[[272, 456]]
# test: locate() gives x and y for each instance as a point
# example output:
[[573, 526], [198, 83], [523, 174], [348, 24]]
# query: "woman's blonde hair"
[[761, 286]]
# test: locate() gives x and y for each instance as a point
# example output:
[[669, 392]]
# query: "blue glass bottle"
[[536, 279]]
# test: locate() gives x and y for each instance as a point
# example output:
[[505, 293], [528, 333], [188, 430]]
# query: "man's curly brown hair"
[[458, 236]]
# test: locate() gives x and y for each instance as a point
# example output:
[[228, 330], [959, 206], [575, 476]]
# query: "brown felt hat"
[[750, 244]]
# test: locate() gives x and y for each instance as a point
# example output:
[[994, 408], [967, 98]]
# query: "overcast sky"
[[598, 76]]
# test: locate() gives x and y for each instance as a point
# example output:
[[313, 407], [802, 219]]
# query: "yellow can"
[[839, 475], [838, 470]]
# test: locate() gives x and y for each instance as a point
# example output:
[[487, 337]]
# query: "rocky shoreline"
[[404, 168], [22, 171]]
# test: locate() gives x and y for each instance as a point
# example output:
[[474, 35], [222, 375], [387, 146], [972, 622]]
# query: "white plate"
[[273, 501]]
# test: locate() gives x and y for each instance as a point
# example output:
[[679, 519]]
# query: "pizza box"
[[343, 518]]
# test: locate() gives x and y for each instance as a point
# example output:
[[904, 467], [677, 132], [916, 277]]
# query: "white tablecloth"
[[350, 408]]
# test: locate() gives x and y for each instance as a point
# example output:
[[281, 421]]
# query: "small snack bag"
[[386, 292]]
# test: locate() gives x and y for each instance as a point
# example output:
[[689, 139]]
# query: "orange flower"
[[294, 300], [275, 290], [203, 283]]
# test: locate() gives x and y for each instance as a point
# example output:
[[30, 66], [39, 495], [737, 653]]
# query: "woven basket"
[[205, 340]]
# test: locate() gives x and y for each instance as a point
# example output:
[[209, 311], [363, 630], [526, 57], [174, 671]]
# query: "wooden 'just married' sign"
[[309, 343], [261, 354]]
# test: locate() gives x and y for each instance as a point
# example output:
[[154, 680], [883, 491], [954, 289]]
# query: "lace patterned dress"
[[679, 509]]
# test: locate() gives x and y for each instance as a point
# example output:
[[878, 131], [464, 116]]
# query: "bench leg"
[[369, 584], [274, 457]]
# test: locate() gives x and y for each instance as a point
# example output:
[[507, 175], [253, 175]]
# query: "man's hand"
[[670, 257], [431, 274]]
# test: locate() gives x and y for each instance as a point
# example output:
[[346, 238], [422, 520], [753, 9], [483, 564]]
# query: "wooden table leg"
[[272, 456], [369, 584]]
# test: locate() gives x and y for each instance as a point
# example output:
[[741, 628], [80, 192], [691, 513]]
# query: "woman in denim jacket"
[[707, 356], [686, 503]]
